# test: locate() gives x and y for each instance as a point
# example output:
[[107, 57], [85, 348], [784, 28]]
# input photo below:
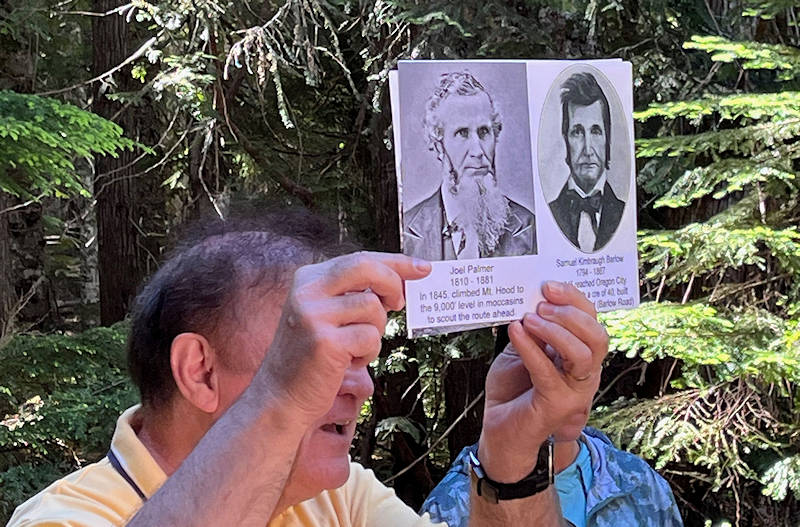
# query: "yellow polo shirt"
[[97, 496]]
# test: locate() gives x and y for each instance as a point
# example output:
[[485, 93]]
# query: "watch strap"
[[541, 477]]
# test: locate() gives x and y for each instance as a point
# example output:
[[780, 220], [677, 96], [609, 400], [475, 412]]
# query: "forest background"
[[119, 121]]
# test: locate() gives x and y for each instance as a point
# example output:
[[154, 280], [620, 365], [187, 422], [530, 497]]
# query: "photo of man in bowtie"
[[587, 210]]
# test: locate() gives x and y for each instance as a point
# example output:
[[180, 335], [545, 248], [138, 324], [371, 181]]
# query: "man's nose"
[[585, 146], [475, 147], [596, 143], [357, 383]]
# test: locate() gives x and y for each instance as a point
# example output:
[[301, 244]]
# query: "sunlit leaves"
[[59, 399], [752, 55], [732, 272], [745, 140], [720, 179], [782, 478], [714, 429], [701, 248], [768, 106], [39, 139], [744, 344]]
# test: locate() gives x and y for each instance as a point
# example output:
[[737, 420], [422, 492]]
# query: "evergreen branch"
[[756, 106], [781, 477], [721, 178], [753, 55], [767, 9], [738, 344], [712, 428], [701, 248], [746, 140]]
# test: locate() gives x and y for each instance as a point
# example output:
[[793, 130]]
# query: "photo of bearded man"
[[468, 215]]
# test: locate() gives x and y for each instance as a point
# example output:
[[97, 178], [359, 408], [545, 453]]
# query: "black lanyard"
[[121, 471]]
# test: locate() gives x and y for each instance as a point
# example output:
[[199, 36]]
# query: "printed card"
[[512, 173]]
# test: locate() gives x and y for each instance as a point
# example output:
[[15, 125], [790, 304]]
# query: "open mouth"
[[336, 428]]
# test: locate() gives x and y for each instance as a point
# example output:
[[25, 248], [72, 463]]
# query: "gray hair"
[[458, 83]]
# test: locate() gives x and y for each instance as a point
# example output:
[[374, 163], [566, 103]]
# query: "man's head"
[[462, 126], [202, 325], [586, 128]]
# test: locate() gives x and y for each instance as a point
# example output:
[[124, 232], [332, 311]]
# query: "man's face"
[[586, 136], [469, 139], [322, 460]]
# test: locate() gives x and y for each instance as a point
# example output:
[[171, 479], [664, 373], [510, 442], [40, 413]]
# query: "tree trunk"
[[381, 180], [26, 232], [90, 284], [120, 259], [7, 295], [463, 382]]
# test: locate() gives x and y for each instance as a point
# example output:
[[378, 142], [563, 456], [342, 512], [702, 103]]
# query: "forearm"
[[539, 510], [236, 473]]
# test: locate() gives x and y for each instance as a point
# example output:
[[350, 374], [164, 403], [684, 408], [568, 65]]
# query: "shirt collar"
[[134, 456], [452, 210], [598, 186], [450, 205]]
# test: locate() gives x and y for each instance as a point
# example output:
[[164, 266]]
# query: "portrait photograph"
[[466, 171], [584, 157]]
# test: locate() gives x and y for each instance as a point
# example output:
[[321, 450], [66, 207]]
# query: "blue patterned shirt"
[[573, 484], [624, 491]]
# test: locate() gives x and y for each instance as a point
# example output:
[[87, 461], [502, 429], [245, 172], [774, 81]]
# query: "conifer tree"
[[723, 287]]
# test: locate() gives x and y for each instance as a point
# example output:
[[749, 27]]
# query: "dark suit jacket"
[[567, 215], [424, 223]]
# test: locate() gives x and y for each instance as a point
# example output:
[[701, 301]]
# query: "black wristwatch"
[[538, 480]]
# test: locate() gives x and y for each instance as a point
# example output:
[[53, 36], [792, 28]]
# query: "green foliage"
[[60, 396], [748, 345], [749, 106], [723, 281], [751, 55], [767, 9], [286, 97], [722, 178], [312, 106], [745, 140], [40, 137], [391, 425], [709, 433], [782, 477], [712, 247]]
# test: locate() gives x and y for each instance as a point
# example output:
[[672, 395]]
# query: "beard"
[[487, 208]]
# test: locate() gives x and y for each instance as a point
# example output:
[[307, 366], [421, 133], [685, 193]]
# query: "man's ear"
[[194, 368]]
